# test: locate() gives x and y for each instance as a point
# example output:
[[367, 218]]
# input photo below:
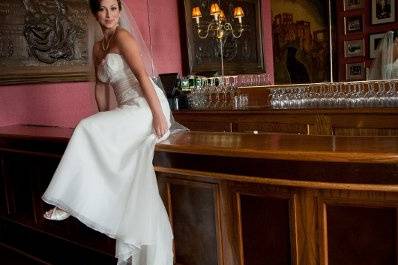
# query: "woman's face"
[[109, 13]]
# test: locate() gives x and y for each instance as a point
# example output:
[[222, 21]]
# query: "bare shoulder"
[[122, 36]]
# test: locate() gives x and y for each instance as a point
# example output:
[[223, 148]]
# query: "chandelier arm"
[[238, 35], [207, 31], [228, 26]]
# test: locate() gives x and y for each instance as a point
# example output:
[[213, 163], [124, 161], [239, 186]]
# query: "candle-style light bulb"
[[215, 10], [196, 14], [239, 14]]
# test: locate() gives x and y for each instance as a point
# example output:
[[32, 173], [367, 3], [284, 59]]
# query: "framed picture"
[[353, 4], [43, 41], [374, 40], [355, 71], [354, 48], [240, 55], [293, 61], [353, 24], [383, 11]]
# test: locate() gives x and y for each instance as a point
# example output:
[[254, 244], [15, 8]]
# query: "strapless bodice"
[[114, 70]]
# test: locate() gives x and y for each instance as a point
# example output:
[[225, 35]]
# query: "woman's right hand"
[[159, 124]]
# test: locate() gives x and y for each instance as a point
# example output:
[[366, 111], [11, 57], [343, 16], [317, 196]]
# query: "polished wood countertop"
[[265, 146], [285, 146]]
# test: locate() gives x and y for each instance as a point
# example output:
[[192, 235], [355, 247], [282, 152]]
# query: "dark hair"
[[395, 34], [95, 5]]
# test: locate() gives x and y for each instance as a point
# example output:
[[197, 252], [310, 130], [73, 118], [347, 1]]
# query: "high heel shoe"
[[56, 214]]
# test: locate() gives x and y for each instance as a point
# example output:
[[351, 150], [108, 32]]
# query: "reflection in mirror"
[[224, 37], [312, 40], [385, 64], [360, 26]]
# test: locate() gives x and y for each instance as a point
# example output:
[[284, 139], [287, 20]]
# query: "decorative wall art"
[[353, 4], [355, 71], [43, 41], [353, 24], [383, 11], [354, 48], [374, 40], [300, 34]]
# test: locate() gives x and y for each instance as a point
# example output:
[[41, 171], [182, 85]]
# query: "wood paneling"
[[194, 223], [261, 127], [361, 235], [11, 256], [365, 131], [209, 126], [265, 230], [347, 122], [3, 189], [233, 199], [48, 247]]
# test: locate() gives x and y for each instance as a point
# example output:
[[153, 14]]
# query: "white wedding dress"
[[106, 177], [392, 70]]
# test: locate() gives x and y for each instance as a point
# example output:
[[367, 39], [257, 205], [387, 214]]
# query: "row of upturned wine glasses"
[[383, 93], [219, 93]]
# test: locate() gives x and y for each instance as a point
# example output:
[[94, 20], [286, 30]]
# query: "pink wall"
[[267, 38], [64, 104], [58, 104]]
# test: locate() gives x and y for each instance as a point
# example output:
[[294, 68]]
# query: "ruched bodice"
[[114, 70]]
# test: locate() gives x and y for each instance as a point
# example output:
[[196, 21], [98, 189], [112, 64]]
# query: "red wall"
[[64, 104]]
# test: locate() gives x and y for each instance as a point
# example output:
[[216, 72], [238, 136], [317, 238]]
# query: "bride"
[[106, 177], [385, 65]]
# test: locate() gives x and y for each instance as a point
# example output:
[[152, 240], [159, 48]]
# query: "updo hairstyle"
[[95, 5]]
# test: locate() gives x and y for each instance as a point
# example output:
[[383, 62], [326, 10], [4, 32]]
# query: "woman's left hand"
[[159, 124]]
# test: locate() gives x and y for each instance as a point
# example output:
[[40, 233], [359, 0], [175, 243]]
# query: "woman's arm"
[[102, 96], [130, 51], [101, 89]]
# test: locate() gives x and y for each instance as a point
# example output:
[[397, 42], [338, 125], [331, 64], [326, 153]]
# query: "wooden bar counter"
[[232, 198], [329, 121]]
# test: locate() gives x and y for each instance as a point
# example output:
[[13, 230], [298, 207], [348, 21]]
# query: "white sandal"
[[56, 214]]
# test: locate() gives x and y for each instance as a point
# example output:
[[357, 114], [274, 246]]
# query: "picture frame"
[[242, 55], [383, 11], [353, 24], [43, 41], [355, 71], [353, 4], [354, 48], [374, 40]]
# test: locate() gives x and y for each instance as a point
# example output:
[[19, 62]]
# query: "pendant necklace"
[[106, 46]]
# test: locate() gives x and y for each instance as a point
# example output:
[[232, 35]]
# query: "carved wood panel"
[[43, 41]]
